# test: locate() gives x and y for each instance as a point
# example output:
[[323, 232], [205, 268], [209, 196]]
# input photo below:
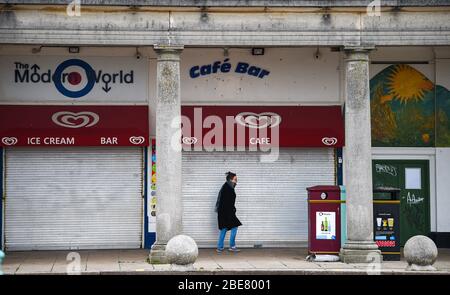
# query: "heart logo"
[[137, 139], [9, 140], [329, 140], [75, 120], [258, 121], [189, 140]]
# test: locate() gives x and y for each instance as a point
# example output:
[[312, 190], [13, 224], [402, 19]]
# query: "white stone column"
[[168, 151], [359, 247]]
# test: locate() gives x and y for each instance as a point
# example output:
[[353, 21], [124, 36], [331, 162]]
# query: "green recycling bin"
[[386, 221]]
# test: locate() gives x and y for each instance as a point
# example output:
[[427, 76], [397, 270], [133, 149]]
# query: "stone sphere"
[[420, 251], [181, 250]]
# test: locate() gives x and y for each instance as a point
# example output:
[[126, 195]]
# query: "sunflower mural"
[[402, 104]]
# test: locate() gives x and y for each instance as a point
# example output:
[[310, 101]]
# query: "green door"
[[412, 177]]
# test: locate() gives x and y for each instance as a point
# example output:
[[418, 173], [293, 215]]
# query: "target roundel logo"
[[74, 78]]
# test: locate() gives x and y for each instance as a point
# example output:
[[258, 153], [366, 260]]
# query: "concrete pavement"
[[249, 261]]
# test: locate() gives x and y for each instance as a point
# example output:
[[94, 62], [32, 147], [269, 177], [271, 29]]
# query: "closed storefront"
[[271, 200], [73, 198], [250, 118], [74, 176], [293, 149]]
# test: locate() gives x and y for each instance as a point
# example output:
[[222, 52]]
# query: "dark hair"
[[230, 175]]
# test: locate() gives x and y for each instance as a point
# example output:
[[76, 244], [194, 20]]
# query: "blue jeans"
[[222, 235]]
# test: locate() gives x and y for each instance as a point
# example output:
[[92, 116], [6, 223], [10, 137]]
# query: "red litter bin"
[[324, 219]]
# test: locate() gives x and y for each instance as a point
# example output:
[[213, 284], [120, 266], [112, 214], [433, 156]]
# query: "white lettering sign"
[[67, 79]]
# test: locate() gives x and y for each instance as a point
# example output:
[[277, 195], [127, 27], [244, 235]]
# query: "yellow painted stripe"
[[386, 201], [390, 253]]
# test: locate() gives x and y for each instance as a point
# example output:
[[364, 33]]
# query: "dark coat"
[[226, 212]]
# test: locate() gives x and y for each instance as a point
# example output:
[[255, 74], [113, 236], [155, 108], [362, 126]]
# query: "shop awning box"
[[284, 126], [58, 125]]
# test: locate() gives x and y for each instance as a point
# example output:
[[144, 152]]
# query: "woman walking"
[[226, 213]]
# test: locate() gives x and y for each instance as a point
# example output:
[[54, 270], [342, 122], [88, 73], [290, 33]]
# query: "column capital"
[[366, 48], [357, 53], [168, 52]]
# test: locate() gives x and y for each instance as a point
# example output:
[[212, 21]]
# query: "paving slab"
[[101, 263], [11, 269], [249, 261], [266, 263], [34, 268], [133, 256], [335, 265], [138, 267], [299, 264], [235, 265]]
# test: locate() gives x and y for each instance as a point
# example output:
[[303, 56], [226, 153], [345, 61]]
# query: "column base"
[[360, 252], [187, 267], [158, 254], [415, 267]]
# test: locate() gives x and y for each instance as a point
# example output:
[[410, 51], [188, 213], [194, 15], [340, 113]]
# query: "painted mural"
[[408, 110], [442, 117]]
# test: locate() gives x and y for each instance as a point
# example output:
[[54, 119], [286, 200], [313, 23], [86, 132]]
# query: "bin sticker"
[[385, 228], [325, 225]]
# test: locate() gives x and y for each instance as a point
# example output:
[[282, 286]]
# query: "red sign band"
[[262, 126], [73, 125]]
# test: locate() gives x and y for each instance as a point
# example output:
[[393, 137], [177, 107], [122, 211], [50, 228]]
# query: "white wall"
[[443, 72], [106, 58], [147, 54], [296, 77], [409, 53], [443, 189], [121, 80], [443, 154], [392, 55]]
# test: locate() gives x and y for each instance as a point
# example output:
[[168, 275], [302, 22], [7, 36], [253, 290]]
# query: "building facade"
[[119, 122]]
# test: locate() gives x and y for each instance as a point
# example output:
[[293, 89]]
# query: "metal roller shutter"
[[271, 197], [73, 198]]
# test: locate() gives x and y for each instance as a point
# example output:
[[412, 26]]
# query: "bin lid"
[[386, 189], [328, 188]]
